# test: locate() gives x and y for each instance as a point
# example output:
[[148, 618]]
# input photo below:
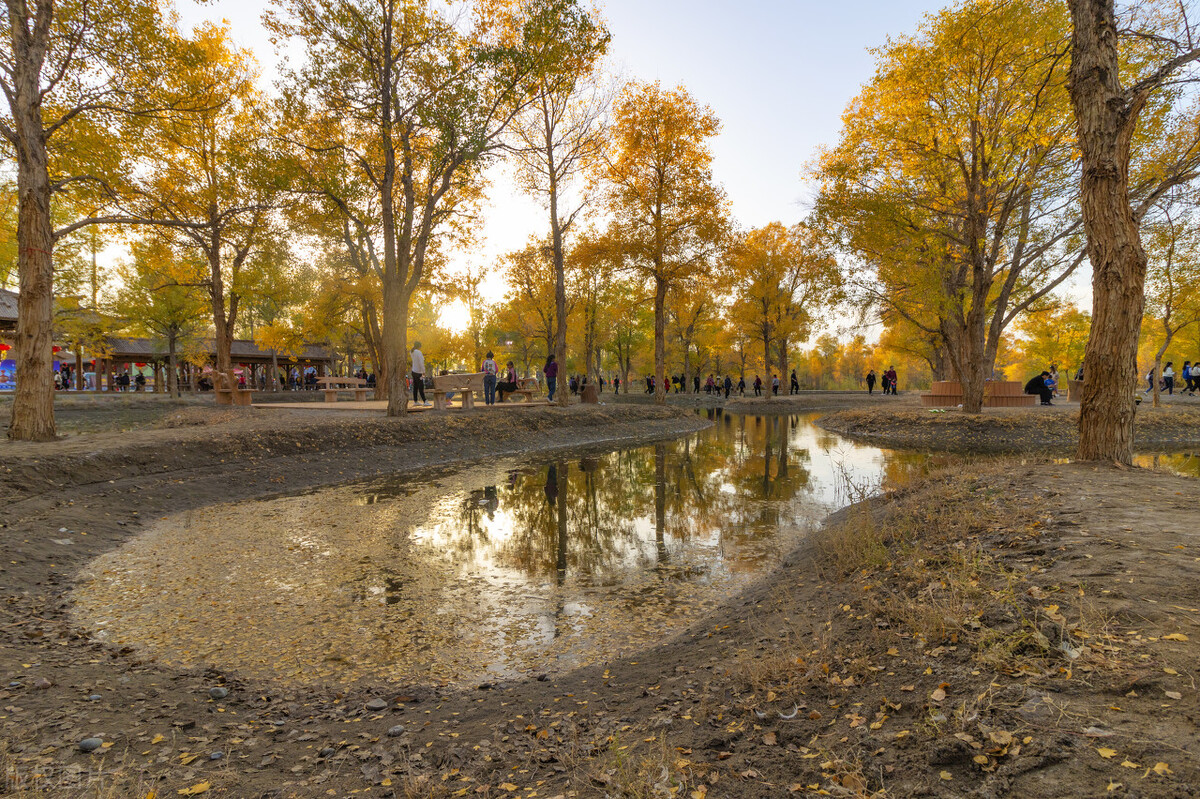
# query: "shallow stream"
[[484, 572]]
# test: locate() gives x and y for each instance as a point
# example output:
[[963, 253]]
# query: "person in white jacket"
[[418, 374]]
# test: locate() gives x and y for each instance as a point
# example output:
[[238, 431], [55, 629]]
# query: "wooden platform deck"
[[380, 406]]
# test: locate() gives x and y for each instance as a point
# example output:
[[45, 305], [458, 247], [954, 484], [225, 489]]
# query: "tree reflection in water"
[[494, 569]]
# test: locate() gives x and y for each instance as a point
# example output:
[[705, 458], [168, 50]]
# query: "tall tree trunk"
[[1106, 122], [1158, 356], [767, 362], [33, 402], [222, 321], [660, 329], [395, 348], [560, 307], [783, 359], [173, 370]]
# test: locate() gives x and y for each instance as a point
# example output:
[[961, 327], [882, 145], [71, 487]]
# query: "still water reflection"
[[494, 570]]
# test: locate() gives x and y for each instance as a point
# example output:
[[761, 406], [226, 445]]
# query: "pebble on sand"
[[90, 744], [218, 692]]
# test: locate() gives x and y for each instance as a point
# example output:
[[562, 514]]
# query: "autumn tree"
[[1120, 67], [954, 180], [212, 176], [80, 78], [1052, 332], [631, 322], [160, 295], [561, 134], [527, 314], [393, 117], [782, 277], [1172, 274], [667, 210]]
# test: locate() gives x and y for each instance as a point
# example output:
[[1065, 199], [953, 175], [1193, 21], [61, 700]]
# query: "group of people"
[[1190, 374], [497, 382], [888, 384]]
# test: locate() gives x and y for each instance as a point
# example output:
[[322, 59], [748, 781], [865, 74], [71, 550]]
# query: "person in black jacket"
[[1037, 385]]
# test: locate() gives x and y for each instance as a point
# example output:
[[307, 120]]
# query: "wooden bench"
[[229, 394], [996, 394], [332, 385], [527, 387], [466, 384]]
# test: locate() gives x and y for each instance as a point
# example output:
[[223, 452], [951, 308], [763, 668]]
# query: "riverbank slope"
[[1029, 430]]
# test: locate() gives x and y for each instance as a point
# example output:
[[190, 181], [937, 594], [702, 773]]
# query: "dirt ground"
[[1031, 430], [995, 629]]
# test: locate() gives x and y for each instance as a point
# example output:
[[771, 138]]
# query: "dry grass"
[[102, 779], [929, 561], [638, 770]]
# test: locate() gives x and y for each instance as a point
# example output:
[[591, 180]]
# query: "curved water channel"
[[484, 572]]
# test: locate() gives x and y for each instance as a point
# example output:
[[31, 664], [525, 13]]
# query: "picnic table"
[[466, 384], [332, 385], [526, 387]]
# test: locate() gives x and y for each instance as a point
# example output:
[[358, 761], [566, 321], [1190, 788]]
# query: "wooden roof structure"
[[8, 310], [134, 350]]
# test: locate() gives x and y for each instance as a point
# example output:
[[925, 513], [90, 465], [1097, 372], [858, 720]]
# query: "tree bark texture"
[[1106, 120], [33, 402], [660, 330]]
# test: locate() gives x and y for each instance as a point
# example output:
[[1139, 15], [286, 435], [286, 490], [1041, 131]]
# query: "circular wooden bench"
[[996, 394]]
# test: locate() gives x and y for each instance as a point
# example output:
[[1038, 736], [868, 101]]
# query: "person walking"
[[757, 386], [741, 385], [1169, 377], [490, 370], [795, 386], [550, 370], [892, 379], [728, 385], [418, 375], [871, 382], [775, 384]]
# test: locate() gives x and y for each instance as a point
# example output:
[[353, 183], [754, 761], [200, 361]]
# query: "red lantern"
[[5, 348], [139, 365], [55, 349]]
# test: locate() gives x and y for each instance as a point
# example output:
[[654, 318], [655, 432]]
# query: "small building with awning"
[[127, 353], [8, 312]]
